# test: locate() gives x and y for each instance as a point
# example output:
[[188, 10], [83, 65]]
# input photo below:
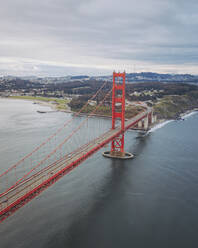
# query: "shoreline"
[[53, 106], [182, 115]]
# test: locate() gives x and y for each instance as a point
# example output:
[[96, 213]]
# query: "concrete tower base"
[[118, 155]]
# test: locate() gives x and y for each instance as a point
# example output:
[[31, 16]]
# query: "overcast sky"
[[61, 37]]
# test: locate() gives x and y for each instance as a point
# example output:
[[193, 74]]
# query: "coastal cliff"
[[171, 107]]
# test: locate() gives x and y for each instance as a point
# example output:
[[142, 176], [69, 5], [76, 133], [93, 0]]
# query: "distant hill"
[[130, 78], [79, 77], [154, 77], [151, 76]]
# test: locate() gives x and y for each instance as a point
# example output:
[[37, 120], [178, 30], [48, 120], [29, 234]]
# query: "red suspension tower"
[[118, 112]]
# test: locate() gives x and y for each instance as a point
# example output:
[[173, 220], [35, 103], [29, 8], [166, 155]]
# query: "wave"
[[158, 126], [187, 115]]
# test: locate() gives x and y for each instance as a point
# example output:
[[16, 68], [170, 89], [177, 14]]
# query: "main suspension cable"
[[60, 145], [54, 134]]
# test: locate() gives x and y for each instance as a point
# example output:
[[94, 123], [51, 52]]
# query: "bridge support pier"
[[140, 124], [118, 112], [117, 155], [154, 118], [146, 123]]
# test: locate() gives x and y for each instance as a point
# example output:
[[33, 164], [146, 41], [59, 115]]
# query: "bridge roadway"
[[27, 189]]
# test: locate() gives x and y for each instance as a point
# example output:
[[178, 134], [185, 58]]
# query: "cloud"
[[94, 35]]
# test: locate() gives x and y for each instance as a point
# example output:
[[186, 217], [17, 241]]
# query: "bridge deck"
[[32, 186]]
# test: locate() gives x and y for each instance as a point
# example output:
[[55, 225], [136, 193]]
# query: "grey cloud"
[[100, 32]]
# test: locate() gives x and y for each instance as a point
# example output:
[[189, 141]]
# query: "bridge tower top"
[[118, 87]]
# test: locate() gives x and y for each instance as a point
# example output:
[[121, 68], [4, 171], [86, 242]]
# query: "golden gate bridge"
[[68, 147]]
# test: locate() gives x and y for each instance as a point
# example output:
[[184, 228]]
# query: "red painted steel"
[[150, 118], [117, 144]]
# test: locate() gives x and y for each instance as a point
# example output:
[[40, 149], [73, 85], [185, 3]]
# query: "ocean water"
[[149, 201]]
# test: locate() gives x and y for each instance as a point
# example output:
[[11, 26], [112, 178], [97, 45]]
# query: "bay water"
[[149, 201]]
